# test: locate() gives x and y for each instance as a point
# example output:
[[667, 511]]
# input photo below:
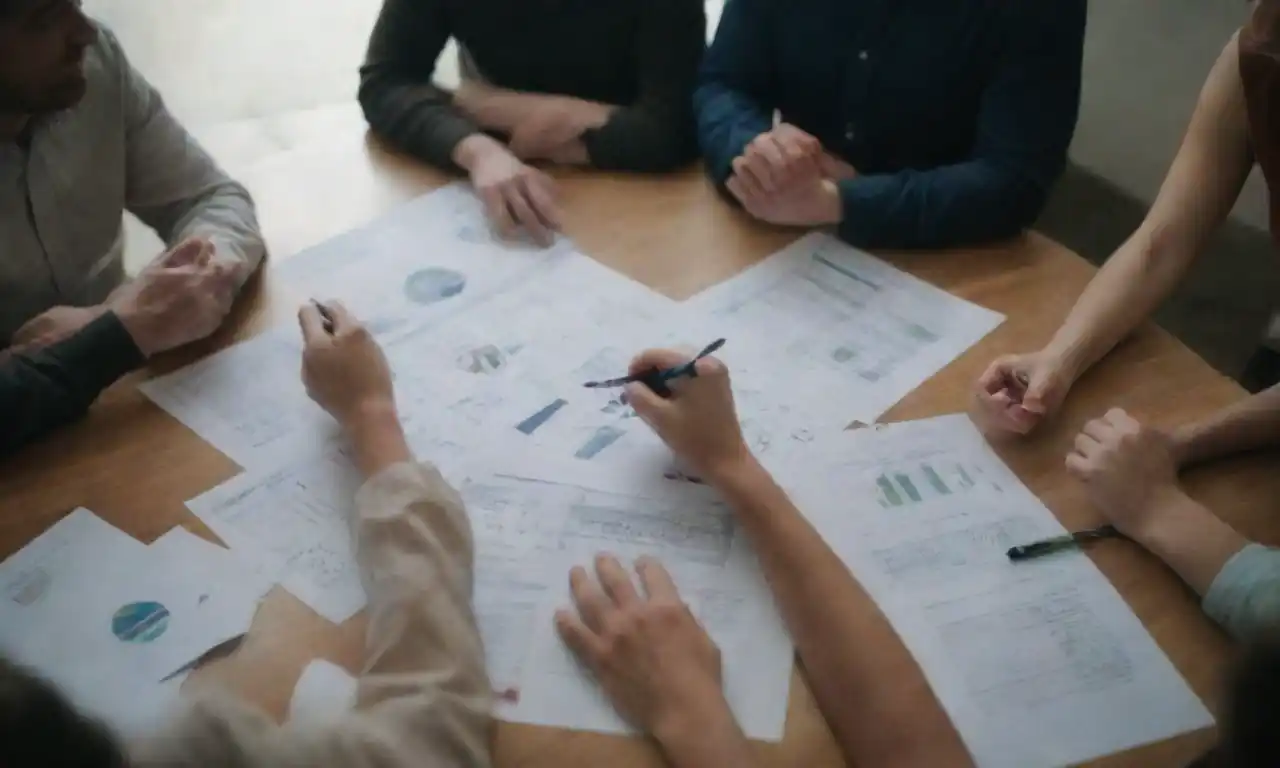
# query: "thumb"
[[1039, 391]]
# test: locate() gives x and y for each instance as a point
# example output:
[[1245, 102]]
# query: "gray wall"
[[1145, 61]]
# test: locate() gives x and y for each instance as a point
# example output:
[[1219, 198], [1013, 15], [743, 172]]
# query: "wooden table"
[[135, 466]]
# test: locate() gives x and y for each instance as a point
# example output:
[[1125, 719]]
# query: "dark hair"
[[39, 727]]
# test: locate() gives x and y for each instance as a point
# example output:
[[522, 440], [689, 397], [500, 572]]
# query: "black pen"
[[1059, 543], [325, 316], [656, 379]]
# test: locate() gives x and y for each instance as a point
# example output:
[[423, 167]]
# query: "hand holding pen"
[[697, 420], [658, 377]]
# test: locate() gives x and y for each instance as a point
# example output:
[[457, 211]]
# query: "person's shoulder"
[[106, 57]]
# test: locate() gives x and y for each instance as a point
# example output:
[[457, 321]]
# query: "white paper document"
[[497, 368], [293, 521], [426, 260], [534, 525], [1039, 663], [831, 325], [324, 693], [105, 618], [235, 584]]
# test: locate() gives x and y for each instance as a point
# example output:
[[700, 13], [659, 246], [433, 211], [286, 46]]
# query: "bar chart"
[[906, 486]]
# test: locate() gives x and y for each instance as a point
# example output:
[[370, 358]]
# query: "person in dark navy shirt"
[[909, 124]]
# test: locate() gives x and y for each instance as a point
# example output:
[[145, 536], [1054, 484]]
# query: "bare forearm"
[[832, 622], [1245, 426], [1132, 284], [377, 439], [707, 738], [1189, 539]]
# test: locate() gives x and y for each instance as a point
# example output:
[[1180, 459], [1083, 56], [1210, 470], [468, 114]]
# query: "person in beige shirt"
[[424, 697]]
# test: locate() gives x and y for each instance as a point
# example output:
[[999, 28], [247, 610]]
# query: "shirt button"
[[863, 55], [850, 133]]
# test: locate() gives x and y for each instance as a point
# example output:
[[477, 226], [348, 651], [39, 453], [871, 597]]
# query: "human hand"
[[836, 169], [181, 297], [1130, 471], [1017, 392], [654, 661], [699, 421], [552, 124], [812, 203], [53, 325], [345, 371], [514, 194], [777, 160]]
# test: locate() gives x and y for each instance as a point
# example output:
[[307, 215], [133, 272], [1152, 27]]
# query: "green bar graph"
[[890, 493], [935, 480], [909, 487]]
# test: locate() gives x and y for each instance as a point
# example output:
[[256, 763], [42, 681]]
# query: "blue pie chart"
[[433, 285], [140, 622]]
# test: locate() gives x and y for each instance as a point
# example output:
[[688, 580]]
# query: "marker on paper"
[[1060, 543]]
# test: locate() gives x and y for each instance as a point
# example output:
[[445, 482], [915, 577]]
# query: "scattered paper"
[[534, 525], [834, 327], [427, 260], [293, 522], [105, 618], [1039, 663], [324, 693], [236, 585]]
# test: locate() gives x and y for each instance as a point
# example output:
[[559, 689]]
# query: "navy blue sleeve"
[[49, 387], [1027, 119], [732, 100]]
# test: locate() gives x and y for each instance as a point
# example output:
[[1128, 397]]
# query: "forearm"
[[1250, 424], [826, 612], [706, 738], [1189, 539], [423, 683], [962, 204], [47, 388], [1134, 281], [727, 123], [645, 138], [225, 216], [502, 111], [377, 438]]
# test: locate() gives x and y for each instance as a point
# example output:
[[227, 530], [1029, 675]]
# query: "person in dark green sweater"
[[605, 83]]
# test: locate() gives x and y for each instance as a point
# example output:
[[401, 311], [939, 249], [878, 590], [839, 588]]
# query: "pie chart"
[[140, 622], [433, 285]]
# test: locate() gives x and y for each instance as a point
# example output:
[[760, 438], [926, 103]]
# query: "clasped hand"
[[181, 297], [785, 177]]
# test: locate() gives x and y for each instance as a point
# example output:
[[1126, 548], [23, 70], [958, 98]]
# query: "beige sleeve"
[[424, 697]]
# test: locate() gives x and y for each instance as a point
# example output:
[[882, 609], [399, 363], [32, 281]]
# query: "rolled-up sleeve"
[[1025, 126], [1245, 597], [656, 133], [732, 101], [172, 185], [397, 94], [424, 697]]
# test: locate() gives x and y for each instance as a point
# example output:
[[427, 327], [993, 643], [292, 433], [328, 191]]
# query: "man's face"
[[42, 48]]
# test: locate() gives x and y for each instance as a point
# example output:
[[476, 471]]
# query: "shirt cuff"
[[1245, 595], [99, 353]]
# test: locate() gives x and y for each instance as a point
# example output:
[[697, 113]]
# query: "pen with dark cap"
[[656, 379], [326, 317], [1060, 543]]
